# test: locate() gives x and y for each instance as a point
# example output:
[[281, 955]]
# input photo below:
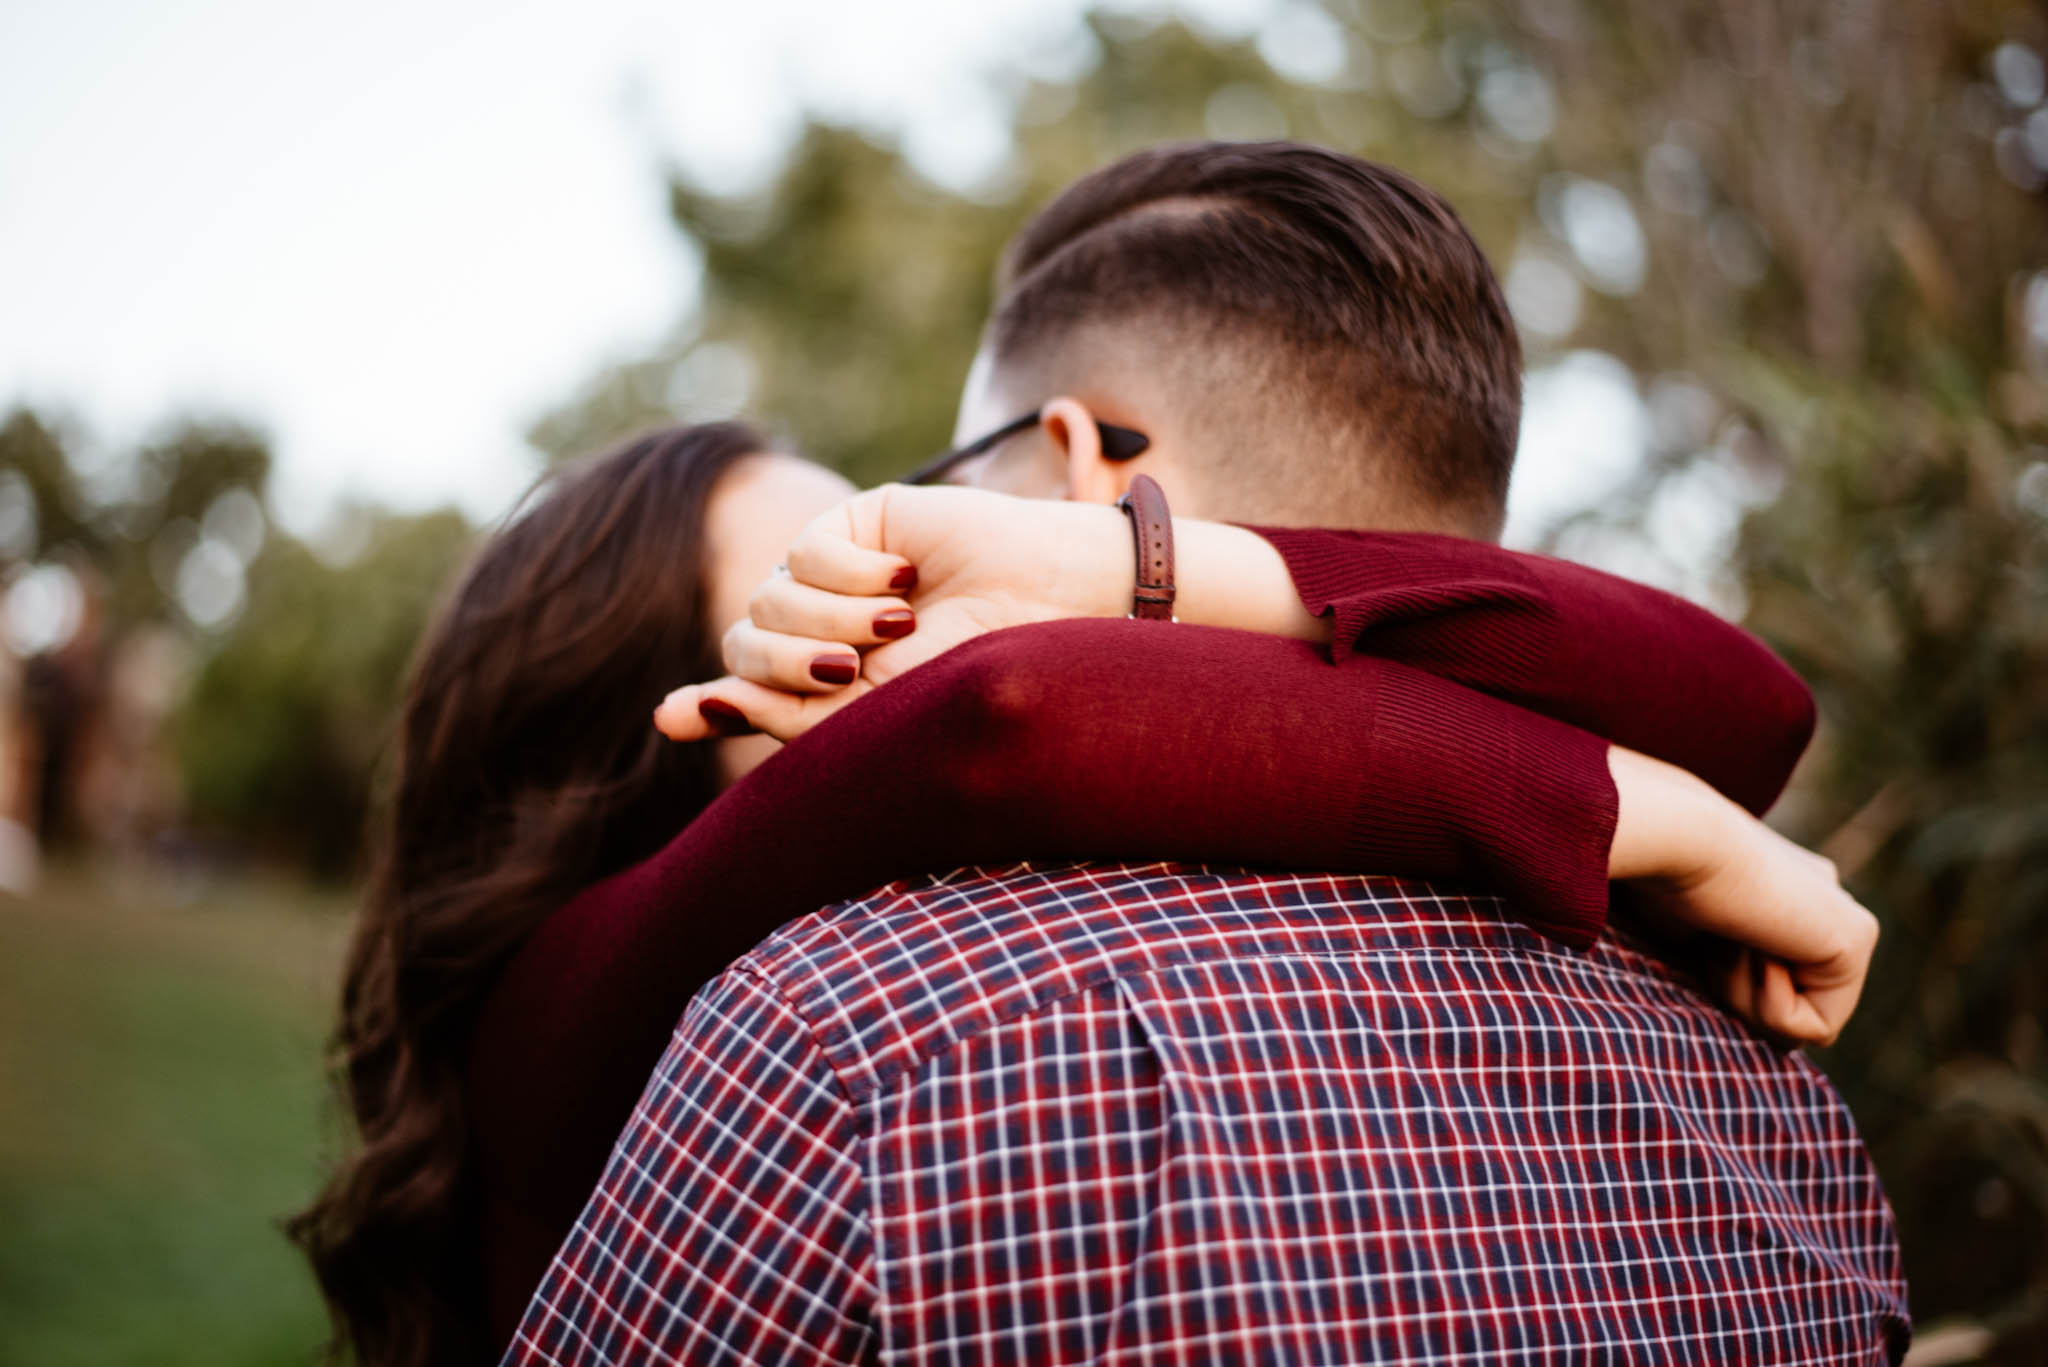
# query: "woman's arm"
[[1639, 666], [1643, 668], [1082, 739], [1068, 740], [1102, 739], [1107, 739]]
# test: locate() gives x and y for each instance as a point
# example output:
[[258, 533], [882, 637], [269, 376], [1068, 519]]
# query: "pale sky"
[[392, 233]]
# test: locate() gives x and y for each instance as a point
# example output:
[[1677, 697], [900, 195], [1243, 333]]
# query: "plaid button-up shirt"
[[1175, 1115]]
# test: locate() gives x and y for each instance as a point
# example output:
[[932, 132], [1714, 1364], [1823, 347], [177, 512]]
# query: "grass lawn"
[[161, 1106]]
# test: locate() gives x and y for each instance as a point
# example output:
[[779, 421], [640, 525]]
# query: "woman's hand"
[[888, 580], [898, 575], [1797, 946]]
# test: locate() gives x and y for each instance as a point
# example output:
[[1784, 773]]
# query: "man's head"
[[1307, 338]]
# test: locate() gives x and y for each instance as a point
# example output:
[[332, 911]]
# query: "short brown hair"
[[1344, 295]]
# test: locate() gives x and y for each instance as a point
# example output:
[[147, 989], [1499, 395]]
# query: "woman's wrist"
[[1230, 577], [1669, 824], [1100, 557], [1226, 576]]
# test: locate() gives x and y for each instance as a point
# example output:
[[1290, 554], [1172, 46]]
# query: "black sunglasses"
[[1118, 443]]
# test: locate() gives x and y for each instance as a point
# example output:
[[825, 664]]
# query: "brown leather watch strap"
[[1152, 533]]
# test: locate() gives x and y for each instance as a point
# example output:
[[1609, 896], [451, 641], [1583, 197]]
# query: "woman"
[[496, 1024], [527, 771]]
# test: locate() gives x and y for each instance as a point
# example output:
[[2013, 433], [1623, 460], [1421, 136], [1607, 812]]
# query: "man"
[[1173, 1114]]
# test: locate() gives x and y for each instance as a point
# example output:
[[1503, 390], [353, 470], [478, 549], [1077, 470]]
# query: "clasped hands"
[[898, 575], [892, 578]]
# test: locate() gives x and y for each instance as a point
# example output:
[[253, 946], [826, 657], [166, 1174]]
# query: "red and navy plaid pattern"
[[1173, 1115]]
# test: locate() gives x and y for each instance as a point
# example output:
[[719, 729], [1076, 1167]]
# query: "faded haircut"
[[1329, 320]]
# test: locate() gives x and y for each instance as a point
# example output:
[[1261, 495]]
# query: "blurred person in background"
[[20, 766], [1065, 1112], [83, 760], [64, 700], [127, 785]]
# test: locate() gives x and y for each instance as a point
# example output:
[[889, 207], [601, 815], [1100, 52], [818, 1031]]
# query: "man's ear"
[[1091, 477]]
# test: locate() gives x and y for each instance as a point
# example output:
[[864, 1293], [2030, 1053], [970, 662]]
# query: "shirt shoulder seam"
[[790, 1006], [859, 1090]]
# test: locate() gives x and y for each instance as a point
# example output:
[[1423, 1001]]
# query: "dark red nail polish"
[[904, 580], [834, 669], [894, 623], [723, 717]]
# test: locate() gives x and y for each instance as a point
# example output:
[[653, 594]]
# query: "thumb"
[[1784, 1010]]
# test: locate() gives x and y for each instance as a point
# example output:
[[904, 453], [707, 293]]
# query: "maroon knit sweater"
[[1118, 739]]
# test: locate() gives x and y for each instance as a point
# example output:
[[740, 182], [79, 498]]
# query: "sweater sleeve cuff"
[[1531, 801], [1336, 570], [1372, 581]]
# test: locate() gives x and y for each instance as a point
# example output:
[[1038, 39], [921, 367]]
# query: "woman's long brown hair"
[[528, 768]]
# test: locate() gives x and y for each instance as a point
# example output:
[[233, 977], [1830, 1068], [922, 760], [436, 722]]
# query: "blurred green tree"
[[290, 714], [156, 522], [135, 531], [43, 506], [298, 662], [1846, 247]]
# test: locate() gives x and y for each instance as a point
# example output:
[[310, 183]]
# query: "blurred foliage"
[[166, 487], [1904, 571], [1814, 233], [296, 660], [33, 450], [288, 719]]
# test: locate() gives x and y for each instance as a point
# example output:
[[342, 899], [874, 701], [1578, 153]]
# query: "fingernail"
[[894, 623], [904, 580], [722, 717], [834, 669]]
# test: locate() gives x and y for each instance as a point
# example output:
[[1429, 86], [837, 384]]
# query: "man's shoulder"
[[890, 979]]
